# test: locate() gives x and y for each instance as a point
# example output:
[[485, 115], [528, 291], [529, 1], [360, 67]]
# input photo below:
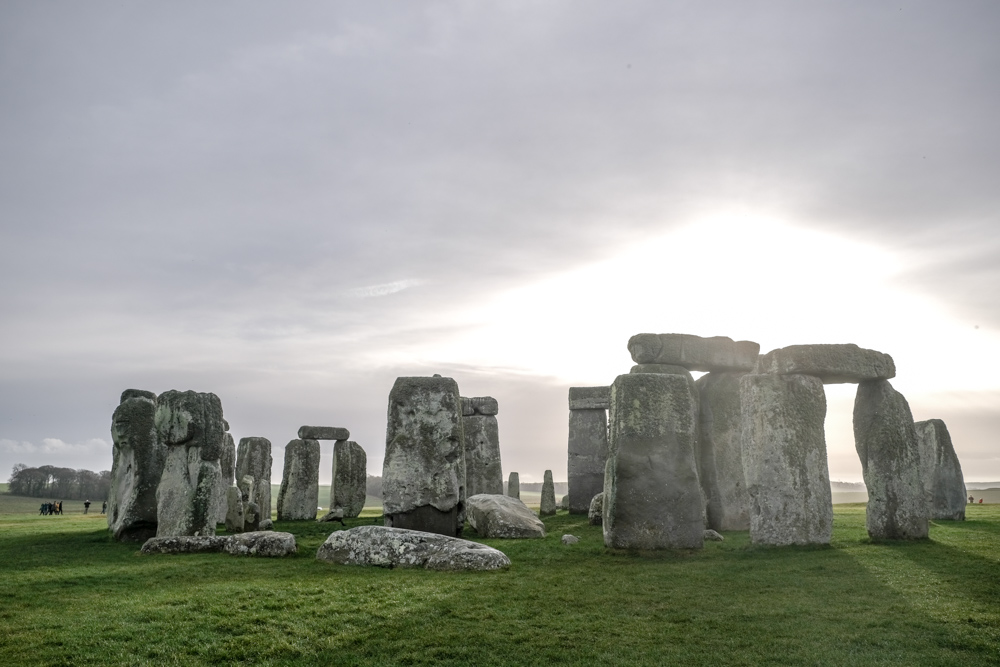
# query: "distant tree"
[[373, 486], [59, 483]]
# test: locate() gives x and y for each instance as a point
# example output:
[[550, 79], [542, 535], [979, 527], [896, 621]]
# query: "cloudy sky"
[[291, 204]]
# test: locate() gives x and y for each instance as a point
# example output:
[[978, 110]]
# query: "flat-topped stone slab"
[[662, 369], [184, 544], [262, 544], [382, 546], [323, 433], [831, 363], [485, 405], [589, 398], [694, 353], [498, 516]]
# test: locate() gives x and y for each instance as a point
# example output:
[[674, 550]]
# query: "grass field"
[[71, 595]]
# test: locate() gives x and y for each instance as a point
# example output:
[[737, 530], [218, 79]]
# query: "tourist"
[[104, 507], [86, 506]]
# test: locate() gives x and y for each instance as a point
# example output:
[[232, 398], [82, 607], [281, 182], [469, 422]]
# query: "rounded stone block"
[[694, 353], [831, 363], [589, 398], [298, 496], [323, 433], [350, 476], [944, 483]]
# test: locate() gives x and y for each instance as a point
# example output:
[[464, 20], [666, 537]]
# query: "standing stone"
[[886, 440], [190, 425], [721, 453], [227, 462], [253, 458], [483, 473], [715, 354], [423, 473], [595, 515], [652, 496], [944, 484], [137, 463], [548, 504], [299, 493], [784, 459], [588, 444], [514, 485], [350, 476], [235, 516]]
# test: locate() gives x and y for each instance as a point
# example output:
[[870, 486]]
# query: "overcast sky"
[[291, 204]]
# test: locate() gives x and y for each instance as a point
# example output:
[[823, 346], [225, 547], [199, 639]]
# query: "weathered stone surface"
[[589, 398], [395, 547], [136, 393], [227, 465], [713, 535], [299, 492], [500, 516], [721, 453], [485, 405], [833, 364], [564, 502], [652, 498], [266, 524], [587, 456], [137, 463], [253, 458], [467, 409], [323, 433], [514, 485], [784, 459], [336, 514], [235, 517], [718, 353], [570, 539], [190, 425], [184, 544], [662, 369], [483, 473], [944, 484], [263, 544], [547, 507], [886, 440], [595, 515], [251, 517], [350, 474], [423, 473]]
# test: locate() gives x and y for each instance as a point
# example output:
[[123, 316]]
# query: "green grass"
[[71, 595]]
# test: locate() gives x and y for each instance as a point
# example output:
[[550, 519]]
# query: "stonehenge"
[[514, 485], [137, 463], [253, 458], [721, 451], [944, 484], [482, 446], [588, 444], [348, 482], [423, 473], [299, 491], [548, 501], [383, 546]]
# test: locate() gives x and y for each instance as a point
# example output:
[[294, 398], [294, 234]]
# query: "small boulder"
[[336, 514], [382, 546], [595, 515], [494, 515], [184, 544], [713, 536], [570, 539], [263, 544]]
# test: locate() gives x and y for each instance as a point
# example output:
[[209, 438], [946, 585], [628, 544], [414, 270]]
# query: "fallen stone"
[[784, 459], [514, 485], [547, 506], [263, 544], [713, 536], [266, 524], [190, 425], [587, 455], [720, 451], [944, 484], [589, 398], [336, 514], [886, 440], [382, 546], [485, 405], [184, 544], [235, 517], [833, 364], [323, 433], [662, 369], [137, 464], [499, 516], [350, 475], [483, 472], [299, 493], [718, 354], [253, 458], [652, 498], [595, 515], [423, 472], [570, 539]]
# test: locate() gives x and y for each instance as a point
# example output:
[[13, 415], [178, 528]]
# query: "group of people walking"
[[57, 507]]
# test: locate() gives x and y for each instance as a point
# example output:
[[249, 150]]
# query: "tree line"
[[59, 483]]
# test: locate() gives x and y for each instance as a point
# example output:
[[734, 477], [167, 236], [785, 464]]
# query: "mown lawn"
[[70, 595]]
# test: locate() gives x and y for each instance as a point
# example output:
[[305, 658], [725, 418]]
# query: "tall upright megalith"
[[227, 463], [886, 440], [652, 495], [588, 445], [483, 473], [190, 425], [253, 458], [547, 506], [350, 476], [423, 473], [784, 459], [721, 450], [514, 485], [137, 463], [944, 484], [299, 492]]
